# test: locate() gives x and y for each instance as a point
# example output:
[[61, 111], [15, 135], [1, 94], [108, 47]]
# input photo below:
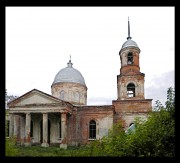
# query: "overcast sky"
[[40, 40]]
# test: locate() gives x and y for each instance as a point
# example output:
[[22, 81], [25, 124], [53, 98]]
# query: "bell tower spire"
[[129, 37]]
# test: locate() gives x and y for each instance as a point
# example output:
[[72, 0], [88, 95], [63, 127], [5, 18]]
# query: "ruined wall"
[[72, 128], [137, 80], [103, 116], [127, 110], [129, 118]]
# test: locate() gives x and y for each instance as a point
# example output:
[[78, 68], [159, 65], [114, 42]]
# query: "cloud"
[[100, 101], [157, 90]]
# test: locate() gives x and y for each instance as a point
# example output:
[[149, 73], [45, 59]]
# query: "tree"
[[9, 98], [154, 137]]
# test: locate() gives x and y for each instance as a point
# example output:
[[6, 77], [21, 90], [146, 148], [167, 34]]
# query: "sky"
[[40, 40]]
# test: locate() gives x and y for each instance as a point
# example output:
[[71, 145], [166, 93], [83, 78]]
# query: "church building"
[[64, 119]]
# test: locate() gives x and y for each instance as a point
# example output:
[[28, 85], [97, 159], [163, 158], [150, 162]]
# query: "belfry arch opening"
[[131, 90], [130, 59]]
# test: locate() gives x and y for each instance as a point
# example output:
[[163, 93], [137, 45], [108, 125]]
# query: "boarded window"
[[62, 95], [76, 96]]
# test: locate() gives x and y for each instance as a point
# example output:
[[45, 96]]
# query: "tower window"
[[130, 58], [131, 90], [92, 129]]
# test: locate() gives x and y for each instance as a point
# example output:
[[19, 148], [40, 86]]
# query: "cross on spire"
[[69, 64]]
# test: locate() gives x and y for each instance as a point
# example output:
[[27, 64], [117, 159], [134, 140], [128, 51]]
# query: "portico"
[[33, 122]]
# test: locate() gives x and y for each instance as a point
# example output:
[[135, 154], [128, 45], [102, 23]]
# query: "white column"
[[22, 129], [11, 125], [15, 126], [27, 130], [64, 130], [45, 130]]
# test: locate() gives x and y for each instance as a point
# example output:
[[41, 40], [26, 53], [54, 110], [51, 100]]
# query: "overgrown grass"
[[37, 151]]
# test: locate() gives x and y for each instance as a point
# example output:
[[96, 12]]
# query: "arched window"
[[131, 90], [31, 129], [76, 96], [62, 95], [131, 124], [92, 129], [130, 59], [130, 129]]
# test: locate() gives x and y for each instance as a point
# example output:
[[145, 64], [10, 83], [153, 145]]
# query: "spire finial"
[[129, 37], [69, 64]]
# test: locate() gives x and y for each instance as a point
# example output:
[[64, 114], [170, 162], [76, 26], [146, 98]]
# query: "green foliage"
[[10, 144], [154, 137], [10, 147]]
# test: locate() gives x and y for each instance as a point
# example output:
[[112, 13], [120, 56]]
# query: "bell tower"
[[130, 82], [131, 102]]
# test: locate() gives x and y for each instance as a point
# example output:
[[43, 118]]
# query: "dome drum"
[[69, 85]]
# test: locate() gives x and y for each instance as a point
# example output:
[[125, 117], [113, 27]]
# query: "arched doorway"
[[41, 131]]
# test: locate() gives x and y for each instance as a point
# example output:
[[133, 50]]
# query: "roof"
[[69, 75], [129, 43], [35, 91]]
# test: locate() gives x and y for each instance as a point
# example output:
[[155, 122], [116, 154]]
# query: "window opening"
[[130, 58], [131, 90], [92, 129]]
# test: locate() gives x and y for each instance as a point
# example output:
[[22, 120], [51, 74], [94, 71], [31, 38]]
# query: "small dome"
[[129, 43], [69, 74]]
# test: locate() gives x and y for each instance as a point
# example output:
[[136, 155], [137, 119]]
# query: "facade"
[[65, 119]]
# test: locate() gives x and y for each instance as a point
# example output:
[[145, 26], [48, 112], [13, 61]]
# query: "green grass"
[[37, 151]]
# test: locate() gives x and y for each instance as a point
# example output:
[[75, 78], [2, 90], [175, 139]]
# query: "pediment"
[[34, 97]]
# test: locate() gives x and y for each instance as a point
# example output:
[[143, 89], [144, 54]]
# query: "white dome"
[[69, 75], [129, 43]]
